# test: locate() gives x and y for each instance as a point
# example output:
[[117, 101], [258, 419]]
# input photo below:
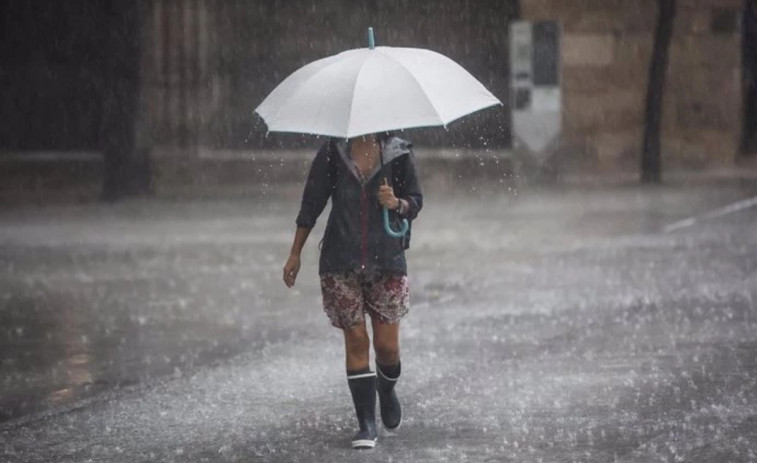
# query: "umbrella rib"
[[467, 113], [299, 89], [354, 88], [415, 79]]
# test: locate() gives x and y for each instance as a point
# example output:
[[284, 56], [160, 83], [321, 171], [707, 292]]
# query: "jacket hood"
[[395, 147]]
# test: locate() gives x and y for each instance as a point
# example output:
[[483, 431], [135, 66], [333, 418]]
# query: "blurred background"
[[121, 98], [583, 273]]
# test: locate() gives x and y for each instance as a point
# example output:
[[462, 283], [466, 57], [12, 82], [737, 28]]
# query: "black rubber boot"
[[391, 411], [363, 389]]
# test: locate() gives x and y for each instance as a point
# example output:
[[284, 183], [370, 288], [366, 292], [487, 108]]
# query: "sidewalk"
[[71, 177]]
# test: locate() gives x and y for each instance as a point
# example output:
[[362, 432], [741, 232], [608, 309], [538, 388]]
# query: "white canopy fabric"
[[366, 90]]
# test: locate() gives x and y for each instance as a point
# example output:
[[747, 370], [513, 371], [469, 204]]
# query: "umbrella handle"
[[395, 234]]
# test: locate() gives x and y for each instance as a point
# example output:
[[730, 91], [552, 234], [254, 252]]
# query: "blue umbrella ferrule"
[[371, 41]]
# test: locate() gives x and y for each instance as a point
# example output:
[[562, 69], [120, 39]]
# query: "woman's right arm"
[[318, 188], [292, 266]]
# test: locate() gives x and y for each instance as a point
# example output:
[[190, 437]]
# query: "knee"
[[387, 352], [357, 342]]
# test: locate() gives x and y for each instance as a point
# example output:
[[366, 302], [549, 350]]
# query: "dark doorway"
[[749, 60], [69, 71], [51, 62]]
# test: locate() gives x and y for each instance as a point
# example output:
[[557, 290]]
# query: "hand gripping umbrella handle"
[[405, 226], [395, 234]]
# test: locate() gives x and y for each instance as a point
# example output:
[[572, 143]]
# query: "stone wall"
[[703, 113], [208, 63], [606, 49]]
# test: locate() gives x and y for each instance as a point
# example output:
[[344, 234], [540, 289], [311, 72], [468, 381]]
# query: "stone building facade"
[[163, 90], [606, 50], [208, 63]]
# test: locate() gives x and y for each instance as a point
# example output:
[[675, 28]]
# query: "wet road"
[[552, 325]]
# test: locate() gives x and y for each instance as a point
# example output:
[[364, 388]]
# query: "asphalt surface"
[[546, 325]]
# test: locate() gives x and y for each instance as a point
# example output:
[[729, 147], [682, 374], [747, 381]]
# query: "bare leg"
[[357, 347], [386, 342]]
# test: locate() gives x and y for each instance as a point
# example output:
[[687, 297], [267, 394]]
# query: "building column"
[[177, 86]]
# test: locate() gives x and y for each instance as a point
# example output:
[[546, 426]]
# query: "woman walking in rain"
[[371, 181], [362, 268]]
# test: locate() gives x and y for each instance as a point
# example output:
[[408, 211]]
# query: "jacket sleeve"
[[409, 187], [318, 189]]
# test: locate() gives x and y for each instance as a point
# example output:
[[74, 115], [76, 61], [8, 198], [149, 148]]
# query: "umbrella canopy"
[[371, 90]]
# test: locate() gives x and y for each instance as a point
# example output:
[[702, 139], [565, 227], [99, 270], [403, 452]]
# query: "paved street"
[[546, 325]]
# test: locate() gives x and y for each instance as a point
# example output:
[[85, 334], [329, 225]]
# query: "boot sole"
[[363, 444], [394, 428]]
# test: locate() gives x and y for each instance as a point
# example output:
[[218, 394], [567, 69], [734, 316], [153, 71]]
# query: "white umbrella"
[[375, 89]]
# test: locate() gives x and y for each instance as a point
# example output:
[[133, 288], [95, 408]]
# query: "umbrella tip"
[[371, 41]]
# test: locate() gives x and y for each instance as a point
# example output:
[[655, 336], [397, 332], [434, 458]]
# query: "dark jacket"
[[355, 237]]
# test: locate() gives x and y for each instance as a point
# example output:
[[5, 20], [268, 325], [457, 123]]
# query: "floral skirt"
[[348, 296]]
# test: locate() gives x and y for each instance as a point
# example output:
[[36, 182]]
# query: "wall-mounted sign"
[[535, 83]]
